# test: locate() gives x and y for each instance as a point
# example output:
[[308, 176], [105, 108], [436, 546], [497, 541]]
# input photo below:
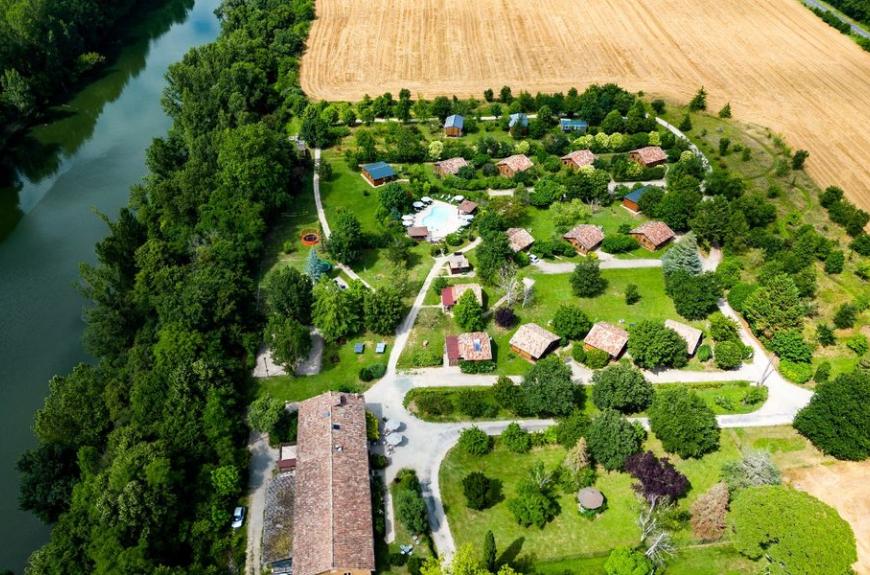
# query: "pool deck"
[[442, 226]]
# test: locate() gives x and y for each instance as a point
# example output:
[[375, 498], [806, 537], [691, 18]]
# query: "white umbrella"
[[395, 439], [407, 223], [392, 425], [426, 199], [418, 205], [458, 198]]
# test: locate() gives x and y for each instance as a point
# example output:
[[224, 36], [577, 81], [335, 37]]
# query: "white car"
[[238, 517]]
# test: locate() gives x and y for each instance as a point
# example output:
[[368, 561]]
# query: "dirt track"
[[845, 487], [774, 60]]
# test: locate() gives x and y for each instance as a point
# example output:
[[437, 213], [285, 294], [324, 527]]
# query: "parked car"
[[238, 517]]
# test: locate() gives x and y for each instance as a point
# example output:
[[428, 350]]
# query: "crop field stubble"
[[776, 62]]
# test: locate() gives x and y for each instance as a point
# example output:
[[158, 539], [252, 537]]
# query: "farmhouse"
[[332, 528], [378, 173], [458, 264], [519, 239], [649, 156], [578, 159], [451, 294], [573, 125], [513, 165], [449, 167], [453, 126], [532, 342], [418, 233], [607, 338], [467, 207], [518, 122], [688, 333], [652, 235], [474, 346], [631, 200], [585, 238]]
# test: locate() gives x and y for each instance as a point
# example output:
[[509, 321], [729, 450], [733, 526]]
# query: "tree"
[[753, 469], [694, 296], [516, 439], [613, 122], [725, 112], [336, 312], [845, 316], [708, 513], [315, 267], [586, 280], [533, 505], [685, 123], [475, 441], [264, 412], [505, 317], [48, 474], [383, 310], [684, 423], [775, 305], [632, 295], [490, 561], [625, 561], [711, 221], [657, 478], [678, 207], [621, 387], [728, 354], [723, 328], [492, 254], [789, 344], [683, 257], [577, 457], [837, 419], [411, 510], [480, 491], [548, 389], [798, 159], [652, 346], [346, 242], [794, 532], [74, 413], [570, 322], [289, 294], [699, 100], [289, 341], [834, 262], [468, 313], [611, 439]]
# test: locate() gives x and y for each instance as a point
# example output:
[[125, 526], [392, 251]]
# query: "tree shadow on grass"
[[511, 552]]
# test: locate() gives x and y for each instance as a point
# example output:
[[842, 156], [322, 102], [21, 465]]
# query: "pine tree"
[[489, 553], [683, 256], [686, 123], [725, 112], [315, 267], [699, 101]]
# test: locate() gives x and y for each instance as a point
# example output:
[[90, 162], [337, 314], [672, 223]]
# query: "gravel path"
[[857, 30], [260, 470]]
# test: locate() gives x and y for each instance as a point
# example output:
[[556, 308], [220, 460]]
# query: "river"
[[86, 158]]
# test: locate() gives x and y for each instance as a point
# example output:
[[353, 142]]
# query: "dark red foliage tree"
[[505, 317], [657, 478]]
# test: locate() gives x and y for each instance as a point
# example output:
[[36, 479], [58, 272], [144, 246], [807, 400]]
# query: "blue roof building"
[[378, 172], [518, 119], [454, 121], [573, 125], [632, 198]]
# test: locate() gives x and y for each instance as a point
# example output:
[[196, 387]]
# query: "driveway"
[[604, 263], [260, 470]]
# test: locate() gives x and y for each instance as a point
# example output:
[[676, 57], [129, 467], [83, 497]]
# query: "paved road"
[[260, 470], [604, 262], [857, 30]]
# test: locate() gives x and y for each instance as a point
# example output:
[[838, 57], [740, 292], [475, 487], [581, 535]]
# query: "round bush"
[[475, 441], [378, 370], [704, 353], [434, 403], [365, 374], [796, 372], [596, 359], [729, 354], [505, 317], [516, 439], [737, 295], [578, 353]]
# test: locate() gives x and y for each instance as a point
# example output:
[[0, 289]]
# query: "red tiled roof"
[[418, 231], [451, 166], [467, 207], [586, 235], [474, 346], [656, 232], [451, 294], [533, 339], [650, 154], [451, 343], [607, 337], [517, 162], [580, 158], [519, 239], [333, 516]]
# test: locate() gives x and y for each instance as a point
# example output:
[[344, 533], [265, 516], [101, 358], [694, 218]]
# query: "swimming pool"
[[441, 218]]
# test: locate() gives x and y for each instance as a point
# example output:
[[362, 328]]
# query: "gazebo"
[[590, 500]]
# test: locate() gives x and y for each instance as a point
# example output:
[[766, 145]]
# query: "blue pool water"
[[439, 215]]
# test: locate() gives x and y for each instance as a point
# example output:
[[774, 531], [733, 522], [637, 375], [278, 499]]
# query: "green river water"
[[86, 158]]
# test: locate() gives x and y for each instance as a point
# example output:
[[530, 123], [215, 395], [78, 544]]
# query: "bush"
[[570, 429], [704, 353], [516, 439], [619, 244], [505, 317], [632, 295], [857, 343], [398, 558], [723, 328], [729, 354], [570, 322], [586, 280], [754, 468], [474, 441], [623, 388], [823, 372], [477, 366], [658, 478], [433, 403], [652, 346], [684, 423], [480, 491], [789, 344], [508, 395], [596, 358], [415, 565], [476, 403], [836, 419], [578, 353], [796, 372], [625, 561], [845, 316], [409, 505], [738, 294], [755, 395]]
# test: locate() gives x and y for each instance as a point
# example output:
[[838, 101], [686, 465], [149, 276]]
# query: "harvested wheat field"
[[774, 60], [846, 487]]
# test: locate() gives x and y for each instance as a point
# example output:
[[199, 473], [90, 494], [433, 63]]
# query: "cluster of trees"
[[146, 447], [409, 504], [340, 313]]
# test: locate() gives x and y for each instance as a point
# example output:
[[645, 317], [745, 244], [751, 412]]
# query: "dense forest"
[[141, 456], [857, 9], [46, 46]]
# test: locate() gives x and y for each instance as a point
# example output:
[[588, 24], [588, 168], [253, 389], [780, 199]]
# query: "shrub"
[[578, 352], [684, 423], [533, 506], [612, 439], [586, 280], [836, 418], [409, 505], [796, 372], [729, 354], [823, 372], [516, 439], [623, 388], [625, 561], [487, 366], [476, 403], [834, 262], [505, 317], [433, 403], [652, 346], [845, 316], [596, 358], [570, 322], [708, 513], [378, 370], [704, 353], [508, 395], [754, 468], [480, 491], [474, 441], [723, 328], [468, 313], [857, 343], [398, 559], [789, 344], [738, 294], [632, 295], [657, 478], [755, 395], [570, 429], [619, 244], [415, 565]]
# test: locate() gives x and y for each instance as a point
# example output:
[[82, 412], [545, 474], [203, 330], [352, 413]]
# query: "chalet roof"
[[454, 121], [418, 232], [580, 158], [451, 165], [517, 162], [467, 207], [607, 337], [656, 232], [518, 118], [533, 339], [333, 516], [519, 239], [473, 346], [650, 154], [451, 294], [690, 334], [586, 235], [573, 123], [458, 261], [636, 195], [379, 170]]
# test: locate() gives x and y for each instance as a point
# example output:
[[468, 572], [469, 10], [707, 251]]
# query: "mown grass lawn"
[[340, 371]]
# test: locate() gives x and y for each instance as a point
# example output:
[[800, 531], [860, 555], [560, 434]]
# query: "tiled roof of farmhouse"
[[586, 235], [517, 162], [418, 231], [332, 526], [519, 238], [473, 346], [656, 232], [451, 294], [690, 334], [650, 154], [451, 165], [580, 158], [533, 339], [607, 337]]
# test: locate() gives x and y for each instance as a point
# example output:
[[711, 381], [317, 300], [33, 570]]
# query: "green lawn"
[[422, 548], [340, 371], [429, 331], [287, 232]]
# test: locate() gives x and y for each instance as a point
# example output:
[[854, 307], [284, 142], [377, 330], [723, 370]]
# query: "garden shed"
[[649, 156], [513, 165], [473, 346], [578, 158], [519, 239], [453, 126]]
